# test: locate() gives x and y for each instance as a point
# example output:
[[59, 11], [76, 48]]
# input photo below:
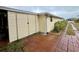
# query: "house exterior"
[[21, 24]]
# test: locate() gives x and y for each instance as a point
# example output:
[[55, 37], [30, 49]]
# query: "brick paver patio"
[[50, 43]]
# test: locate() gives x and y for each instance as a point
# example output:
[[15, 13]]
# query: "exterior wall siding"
[[37, 23], [12, 26], [50, 25], [32, 24], [22, 25], [42, 24]]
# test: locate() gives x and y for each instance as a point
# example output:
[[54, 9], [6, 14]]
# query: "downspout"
[[8, 26], [45, 33], [28, 24], [35, 25], [16, 26]]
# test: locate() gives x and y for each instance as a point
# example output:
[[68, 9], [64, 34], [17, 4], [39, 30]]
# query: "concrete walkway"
[[68, 43]]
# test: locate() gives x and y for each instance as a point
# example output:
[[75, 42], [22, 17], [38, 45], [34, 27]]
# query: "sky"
[[62, 11]]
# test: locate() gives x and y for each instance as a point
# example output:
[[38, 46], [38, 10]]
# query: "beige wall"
[[32, 25], [12, 26], [25, 29], [37, 23], [50, 25], [22, 25], [45, 25], [42, 23], [57, 19]]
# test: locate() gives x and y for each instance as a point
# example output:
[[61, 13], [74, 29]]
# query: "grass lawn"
[[70, 30], [13, 47], [77, 26]]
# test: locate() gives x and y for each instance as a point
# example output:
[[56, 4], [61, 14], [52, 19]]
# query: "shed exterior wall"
[[27, 25], [42, 23], [32, 24], [12, 26], [22, 25], [50, 25], [37, 23]]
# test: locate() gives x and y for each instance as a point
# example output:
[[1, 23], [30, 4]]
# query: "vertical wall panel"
[[37, 24], [32, 28], [22, 25], [42, 24], [12, 26], [50, 25]]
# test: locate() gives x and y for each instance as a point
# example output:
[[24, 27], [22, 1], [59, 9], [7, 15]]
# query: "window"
[[50, 19]]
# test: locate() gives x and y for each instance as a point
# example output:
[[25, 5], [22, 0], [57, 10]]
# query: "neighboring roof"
[[15, 10], [51, 15]]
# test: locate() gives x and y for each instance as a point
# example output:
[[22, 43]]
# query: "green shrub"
[[60, 25], [76, 21]]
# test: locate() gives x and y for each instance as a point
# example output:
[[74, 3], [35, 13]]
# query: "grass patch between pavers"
[[15, 46], [70, 30], [77, 26]]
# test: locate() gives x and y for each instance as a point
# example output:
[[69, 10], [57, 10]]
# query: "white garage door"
[[32, 24], [22, 25], [12, 26]]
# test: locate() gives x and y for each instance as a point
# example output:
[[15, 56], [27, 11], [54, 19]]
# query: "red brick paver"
[[41, 43], [50, 42], [68, 43]]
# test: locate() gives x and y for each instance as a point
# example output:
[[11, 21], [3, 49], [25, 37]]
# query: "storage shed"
[[17, 24]]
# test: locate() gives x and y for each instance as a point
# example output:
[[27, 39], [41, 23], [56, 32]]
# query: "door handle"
[[27, 22]]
